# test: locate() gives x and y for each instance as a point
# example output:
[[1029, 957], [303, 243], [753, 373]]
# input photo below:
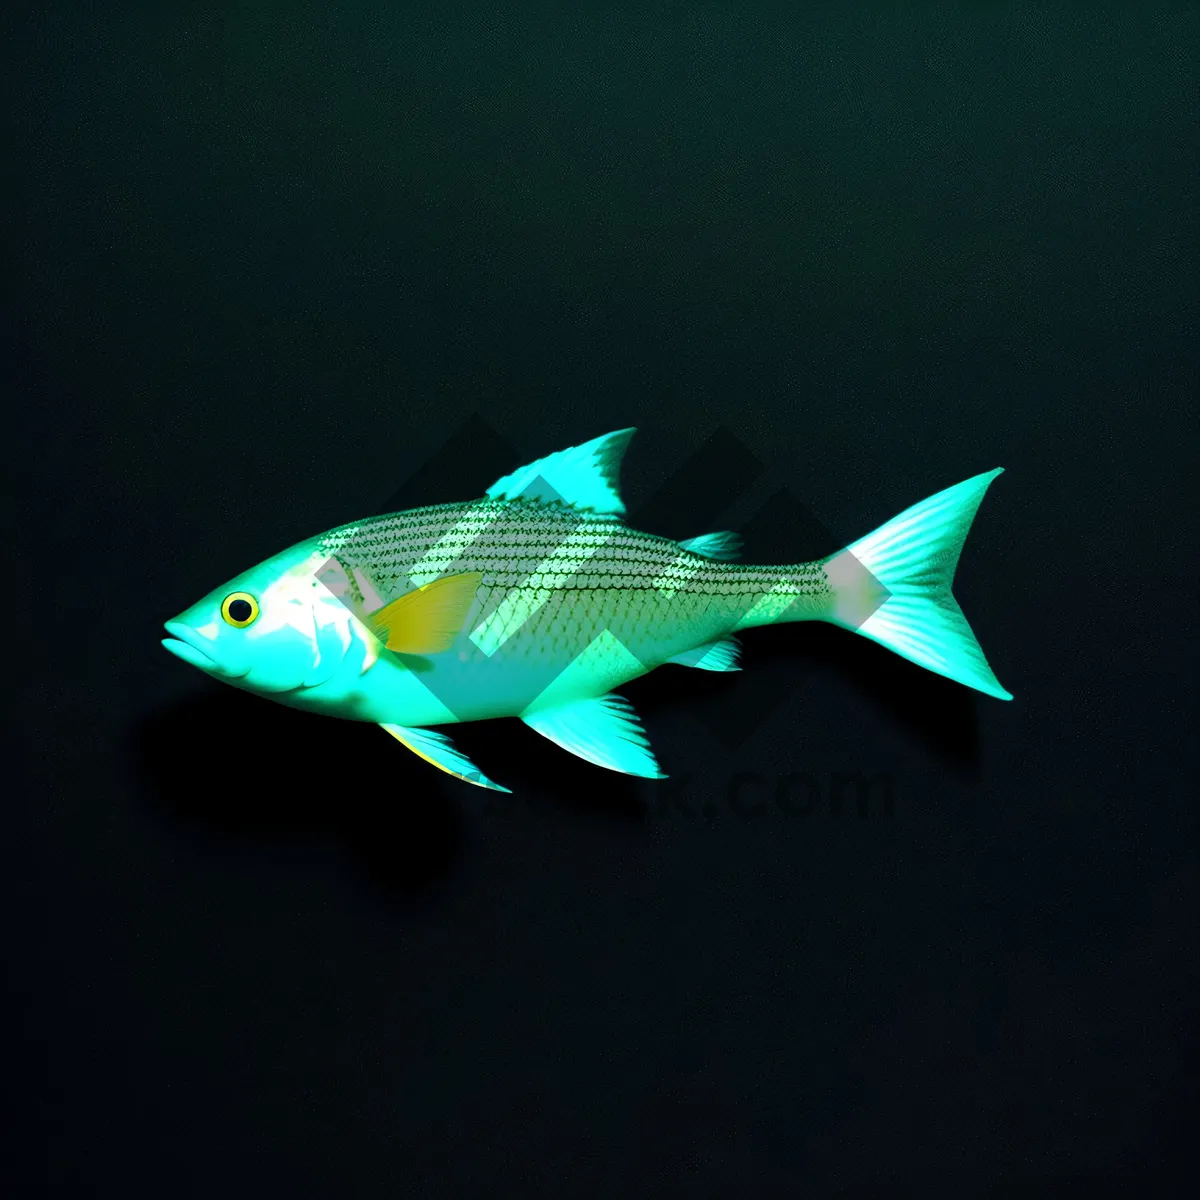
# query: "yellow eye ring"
[[239, 609]]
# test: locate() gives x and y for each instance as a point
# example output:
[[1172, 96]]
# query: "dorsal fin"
[[721, 547], [584, 476]]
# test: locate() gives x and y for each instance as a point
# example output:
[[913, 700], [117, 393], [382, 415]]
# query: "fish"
[[537, 601]]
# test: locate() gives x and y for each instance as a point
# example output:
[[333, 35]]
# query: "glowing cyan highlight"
[[538, 601]]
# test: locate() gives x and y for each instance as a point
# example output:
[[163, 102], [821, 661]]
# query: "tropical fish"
[[537, 601]]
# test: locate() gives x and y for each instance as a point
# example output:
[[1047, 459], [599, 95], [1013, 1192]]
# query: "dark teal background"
[[266, 260]]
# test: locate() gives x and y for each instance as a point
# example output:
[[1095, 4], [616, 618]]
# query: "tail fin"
[[902, 600]]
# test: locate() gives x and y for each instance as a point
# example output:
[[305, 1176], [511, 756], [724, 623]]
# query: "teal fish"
[[538, 601]]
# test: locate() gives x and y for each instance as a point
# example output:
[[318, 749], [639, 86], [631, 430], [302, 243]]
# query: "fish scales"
[[568, 576]]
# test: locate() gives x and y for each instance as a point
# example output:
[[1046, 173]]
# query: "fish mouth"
[[187, 644]]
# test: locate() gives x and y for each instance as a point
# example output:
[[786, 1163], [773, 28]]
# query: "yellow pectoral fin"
[[427, 620]]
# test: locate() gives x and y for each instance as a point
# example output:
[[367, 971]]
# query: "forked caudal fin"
[[902, 599]]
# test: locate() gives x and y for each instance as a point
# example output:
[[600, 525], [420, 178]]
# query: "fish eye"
[[239, 609]]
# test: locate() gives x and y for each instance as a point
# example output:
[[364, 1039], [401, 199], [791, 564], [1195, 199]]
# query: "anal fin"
[[712, 656], [438, 749], [604, 731]]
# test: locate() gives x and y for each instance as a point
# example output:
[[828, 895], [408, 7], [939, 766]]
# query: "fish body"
[[537, 601]]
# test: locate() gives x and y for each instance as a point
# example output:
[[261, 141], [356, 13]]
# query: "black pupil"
[[240, 610]]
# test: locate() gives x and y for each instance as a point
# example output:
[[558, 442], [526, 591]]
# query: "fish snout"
[[194, 648]]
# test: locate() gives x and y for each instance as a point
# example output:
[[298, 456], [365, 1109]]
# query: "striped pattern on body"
[[564, 576]]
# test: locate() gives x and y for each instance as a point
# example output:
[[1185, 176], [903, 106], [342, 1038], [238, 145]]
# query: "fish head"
[[275, 628]]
